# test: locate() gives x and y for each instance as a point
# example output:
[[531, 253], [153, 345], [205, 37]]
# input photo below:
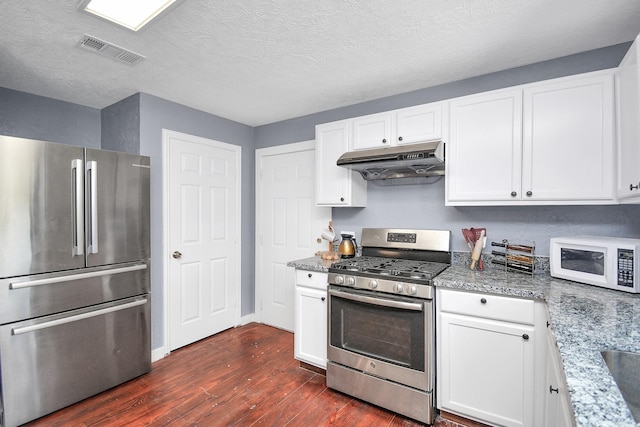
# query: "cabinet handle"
[[514, 194], [529, 193], [548, 324], [552, 390], [525, 337], [310, 275], [322, 299], [483, 300], [384, 140], [633, 187], [399, 138]]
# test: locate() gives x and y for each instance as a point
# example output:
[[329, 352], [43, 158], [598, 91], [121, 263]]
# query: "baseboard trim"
[[158, 354]]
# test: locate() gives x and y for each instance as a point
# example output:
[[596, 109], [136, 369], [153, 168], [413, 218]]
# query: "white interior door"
[[203, 237], [288, 226]]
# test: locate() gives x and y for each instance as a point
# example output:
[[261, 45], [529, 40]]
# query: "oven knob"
[[373, 283], [339, 280], [412, 290], [350, 280], [397, 288]]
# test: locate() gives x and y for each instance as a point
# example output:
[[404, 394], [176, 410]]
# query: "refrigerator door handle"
[[70, 277], [92, 182], [78, 207], [75, 318]]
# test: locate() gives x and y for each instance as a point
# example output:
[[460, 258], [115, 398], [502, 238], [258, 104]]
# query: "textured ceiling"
[[262, 61]]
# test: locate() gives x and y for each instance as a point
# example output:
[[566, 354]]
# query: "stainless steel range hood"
[[404, 164]]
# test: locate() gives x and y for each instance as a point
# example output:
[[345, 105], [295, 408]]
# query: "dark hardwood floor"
[[245, 376]]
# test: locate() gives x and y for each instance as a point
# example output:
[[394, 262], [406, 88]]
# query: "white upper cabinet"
[[569, 140], [372, 131], [484, 147], [628, 105], [544, 143], [335, 185], [405, 126]]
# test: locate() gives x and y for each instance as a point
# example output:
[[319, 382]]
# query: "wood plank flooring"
[[245, 376]]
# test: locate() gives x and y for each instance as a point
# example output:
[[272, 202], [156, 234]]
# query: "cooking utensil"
[[472, 236], [519, 248], [477, 250], [514, 257]]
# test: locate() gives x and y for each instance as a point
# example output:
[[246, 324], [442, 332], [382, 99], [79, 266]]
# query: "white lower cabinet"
[[487, 357], [310, 332], [557, 405]]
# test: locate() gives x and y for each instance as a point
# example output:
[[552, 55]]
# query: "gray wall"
[[422, 206], [157, 114], [36, 117], [121, 125]]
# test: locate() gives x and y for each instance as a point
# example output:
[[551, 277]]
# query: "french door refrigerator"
[[74, 274]]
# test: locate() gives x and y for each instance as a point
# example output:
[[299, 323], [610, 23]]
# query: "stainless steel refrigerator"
[[74, 274]]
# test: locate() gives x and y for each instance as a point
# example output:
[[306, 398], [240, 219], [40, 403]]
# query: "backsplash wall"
[[422, 206]]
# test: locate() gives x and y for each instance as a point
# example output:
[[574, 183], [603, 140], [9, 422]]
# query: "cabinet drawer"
[[312, 279], [487, 306]]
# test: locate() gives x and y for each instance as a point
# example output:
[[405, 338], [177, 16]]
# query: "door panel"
[[37, 210], [203, 237], [288, 225], [117, 205]]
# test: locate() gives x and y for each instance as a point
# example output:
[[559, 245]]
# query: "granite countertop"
[[584, 319]]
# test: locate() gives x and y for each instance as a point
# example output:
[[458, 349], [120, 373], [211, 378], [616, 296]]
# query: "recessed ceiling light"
[[131, 14]]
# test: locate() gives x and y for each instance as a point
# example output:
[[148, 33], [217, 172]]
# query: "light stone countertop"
[[584, 319]]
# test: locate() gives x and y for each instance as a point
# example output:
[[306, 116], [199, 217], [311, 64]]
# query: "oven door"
[[382, 335]]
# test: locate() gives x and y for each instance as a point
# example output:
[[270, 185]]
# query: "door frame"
[[166, 137], [263, 152]]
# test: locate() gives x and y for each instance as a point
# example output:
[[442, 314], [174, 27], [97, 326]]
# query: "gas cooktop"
[[392, 268]]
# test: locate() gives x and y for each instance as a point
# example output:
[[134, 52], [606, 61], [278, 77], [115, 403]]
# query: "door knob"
[[176, 254]]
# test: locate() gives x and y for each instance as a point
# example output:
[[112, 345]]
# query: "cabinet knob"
[[525, 337], [514, 194], [529, 193], [384, 140], [322, 299], [310, 275], [399, 138], [342, 199], [176, 254], [552, 390], [633, 187], [483, 300]]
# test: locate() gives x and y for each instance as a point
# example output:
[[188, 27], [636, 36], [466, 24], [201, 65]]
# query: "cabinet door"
[[310, 337], [568, 140], [628, 107], [373, 131], [557, 409], [486, 370], [335, 185], [417, 124], [485, 147]]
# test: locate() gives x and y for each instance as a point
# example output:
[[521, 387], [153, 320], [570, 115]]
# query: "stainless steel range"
[[381, 320]]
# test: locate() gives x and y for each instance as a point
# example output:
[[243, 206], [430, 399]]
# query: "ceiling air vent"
[[110, 50]]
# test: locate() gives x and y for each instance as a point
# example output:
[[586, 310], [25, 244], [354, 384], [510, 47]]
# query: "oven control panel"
[[382, 285], [401, 237]]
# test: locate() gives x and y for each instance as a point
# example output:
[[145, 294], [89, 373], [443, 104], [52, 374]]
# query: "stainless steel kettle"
[[347, 248]]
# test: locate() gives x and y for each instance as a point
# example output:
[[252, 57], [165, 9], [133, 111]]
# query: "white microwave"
[[608, 262]]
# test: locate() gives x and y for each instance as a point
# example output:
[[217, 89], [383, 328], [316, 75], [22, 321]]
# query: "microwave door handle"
[[92, 177], [78, 207], [377, 301]]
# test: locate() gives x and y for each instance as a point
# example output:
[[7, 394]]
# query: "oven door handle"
[[377, 301]]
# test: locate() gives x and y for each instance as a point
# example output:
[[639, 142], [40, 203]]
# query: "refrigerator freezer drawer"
[[55, 361], [24, 298]]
